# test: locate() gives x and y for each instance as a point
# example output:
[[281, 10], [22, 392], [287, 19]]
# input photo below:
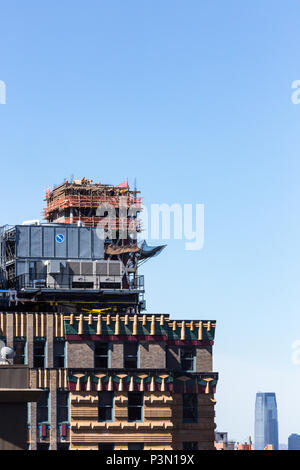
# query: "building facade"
[[73, 310], [266, 421], [294, 442], [116, 382], [222, 442], [15, 395]]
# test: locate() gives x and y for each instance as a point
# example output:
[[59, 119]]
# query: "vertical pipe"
[[36, 324], [45, 378], [2, 324], [56, 325], [61, 325], [65, 379], [22, 325], [16, 325], [42, 324]]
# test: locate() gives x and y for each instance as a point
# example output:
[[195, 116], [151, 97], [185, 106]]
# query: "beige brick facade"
[[116, 355], [152, 355], [80, 354], [204, 359], [162, 426]]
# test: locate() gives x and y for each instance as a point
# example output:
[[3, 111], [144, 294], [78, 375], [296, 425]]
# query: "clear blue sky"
[[194, 100]]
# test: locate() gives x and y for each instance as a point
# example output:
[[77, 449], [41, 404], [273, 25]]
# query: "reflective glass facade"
[[266, 421]]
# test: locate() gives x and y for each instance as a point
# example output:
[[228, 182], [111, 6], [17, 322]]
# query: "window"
[[42, 411], [39, 348], [189, 408], [101, 355], [135, 406], [42, 446], [190, 445], [107, 446], [136, 446], [187, 358], [105, 406], [131, 355], [63, 446], [20, 350], [62, 407], [59, 353]]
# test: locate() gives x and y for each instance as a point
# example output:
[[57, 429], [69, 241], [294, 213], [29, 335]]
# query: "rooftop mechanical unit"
[[56, 258]]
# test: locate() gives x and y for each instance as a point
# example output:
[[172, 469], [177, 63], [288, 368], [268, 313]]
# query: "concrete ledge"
[[19, 395]]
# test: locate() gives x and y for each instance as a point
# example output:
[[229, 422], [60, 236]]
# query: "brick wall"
[[30, 339], [162, 410], [33, 426], [10, 330], [173, 357], [152, 355], [53, 410], [50, 335], [116, 355], [201, 432], [204, 359], [80, 354], [203, 362]]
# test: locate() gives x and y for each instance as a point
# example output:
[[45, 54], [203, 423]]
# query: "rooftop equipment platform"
[[63, 262]]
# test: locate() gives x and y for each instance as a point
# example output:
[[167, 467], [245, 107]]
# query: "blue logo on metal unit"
[[59, 238]]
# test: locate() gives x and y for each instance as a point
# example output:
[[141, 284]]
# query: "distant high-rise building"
[[294, 442], [266, 422], [246, 446], [222, 442], [283, 446]]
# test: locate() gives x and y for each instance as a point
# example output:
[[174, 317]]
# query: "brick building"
[[115, 377]]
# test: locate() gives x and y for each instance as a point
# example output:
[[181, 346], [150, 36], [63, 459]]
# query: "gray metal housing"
[[61, 241], [65, 261]]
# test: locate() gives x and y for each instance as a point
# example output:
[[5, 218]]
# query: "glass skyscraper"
[[294, 442], [266, 422]]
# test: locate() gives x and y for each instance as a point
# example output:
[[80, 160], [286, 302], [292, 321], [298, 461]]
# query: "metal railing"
[[78, 281]]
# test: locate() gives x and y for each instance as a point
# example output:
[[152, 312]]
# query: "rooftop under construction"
[[72, 307], [86, 254], [79, 200]]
